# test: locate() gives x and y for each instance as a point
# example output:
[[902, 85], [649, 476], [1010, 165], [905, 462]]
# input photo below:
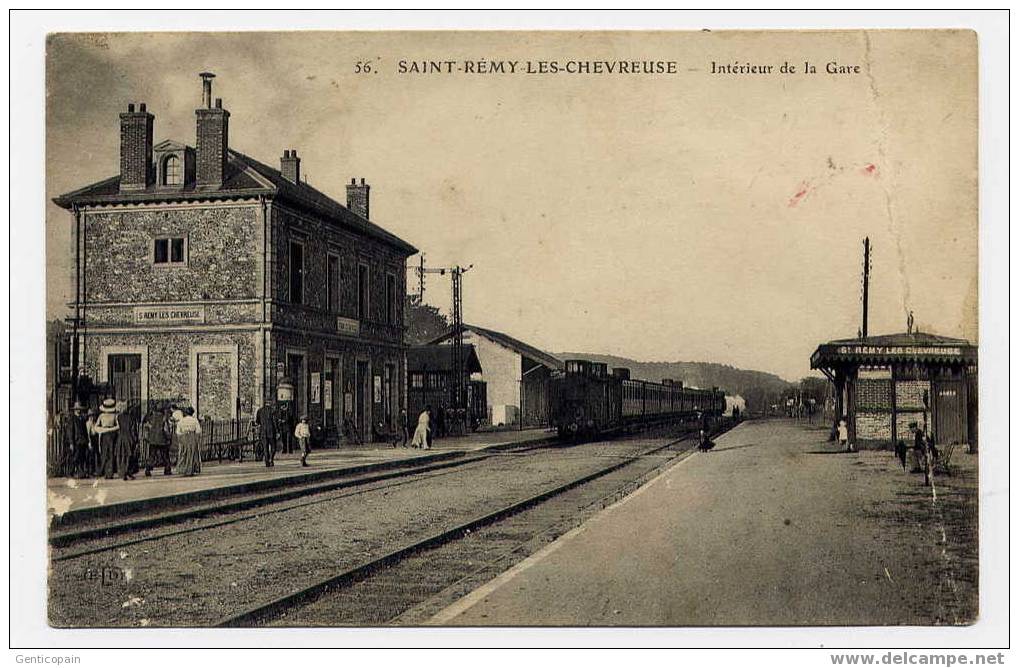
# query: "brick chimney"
[[290, 166], [136, 149], [357, 197], [212, 138]]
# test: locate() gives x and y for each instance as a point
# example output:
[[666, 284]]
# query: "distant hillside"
[[757, 387]]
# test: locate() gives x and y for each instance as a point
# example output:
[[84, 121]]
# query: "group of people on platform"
[[113, 441]]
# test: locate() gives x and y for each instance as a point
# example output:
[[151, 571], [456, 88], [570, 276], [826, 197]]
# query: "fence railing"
[[226, 439]]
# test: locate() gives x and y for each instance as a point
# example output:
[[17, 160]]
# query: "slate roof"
[[436, 357], [507, 341], [245, 177]]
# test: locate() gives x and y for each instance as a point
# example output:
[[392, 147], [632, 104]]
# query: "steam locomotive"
[[587, 400]]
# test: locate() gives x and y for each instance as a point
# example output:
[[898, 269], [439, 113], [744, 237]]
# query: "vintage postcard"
[[556, 329]]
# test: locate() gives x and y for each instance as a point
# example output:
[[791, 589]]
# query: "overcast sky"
[[692, 217]]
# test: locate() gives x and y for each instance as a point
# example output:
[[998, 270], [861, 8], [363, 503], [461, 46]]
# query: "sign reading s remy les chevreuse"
[[167, 315]]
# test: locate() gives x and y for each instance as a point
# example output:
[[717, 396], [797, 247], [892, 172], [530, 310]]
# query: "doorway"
[[125, 377], [950, 412], [362, 392], [295, 370]]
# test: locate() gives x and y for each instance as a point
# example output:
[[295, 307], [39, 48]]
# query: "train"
[[587, 400]]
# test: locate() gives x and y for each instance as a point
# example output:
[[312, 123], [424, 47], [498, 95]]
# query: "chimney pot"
[[141, 107], [130, 107], [207, 78], [212, 141]]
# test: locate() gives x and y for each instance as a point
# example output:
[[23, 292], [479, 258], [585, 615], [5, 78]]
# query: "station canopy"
[[890, 349]]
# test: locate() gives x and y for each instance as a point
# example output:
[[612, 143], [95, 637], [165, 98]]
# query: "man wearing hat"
[[265, 418], [79, 442], [158, 433]]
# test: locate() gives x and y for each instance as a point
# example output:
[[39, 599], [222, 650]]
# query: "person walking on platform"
[[404, 433], [265, 418], [303, 435], [421, 433], [127, 440], [158, 432], [189, 432], [106, 427]]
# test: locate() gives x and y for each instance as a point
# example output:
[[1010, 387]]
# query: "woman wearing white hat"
[[106, 427]]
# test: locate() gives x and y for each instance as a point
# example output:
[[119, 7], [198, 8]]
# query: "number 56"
[[363, 67]]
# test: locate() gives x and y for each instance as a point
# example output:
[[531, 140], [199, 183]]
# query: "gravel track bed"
[[195, 578], [410, 592]]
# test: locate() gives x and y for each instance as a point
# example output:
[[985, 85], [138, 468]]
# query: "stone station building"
[[204, 276]]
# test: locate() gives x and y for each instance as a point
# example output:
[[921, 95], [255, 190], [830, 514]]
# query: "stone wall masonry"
[[223, 247], [909, 394], [874, 394], [169, 361], [873, 426]]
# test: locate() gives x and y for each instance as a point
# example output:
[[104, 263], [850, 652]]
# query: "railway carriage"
[[586, 400]]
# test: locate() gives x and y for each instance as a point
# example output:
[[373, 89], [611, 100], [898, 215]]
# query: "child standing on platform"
[[303, 435]]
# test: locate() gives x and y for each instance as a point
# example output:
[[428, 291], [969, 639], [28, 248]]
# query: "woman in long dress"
[[189, 431], [106, 428], [420, 439], [127, 440]]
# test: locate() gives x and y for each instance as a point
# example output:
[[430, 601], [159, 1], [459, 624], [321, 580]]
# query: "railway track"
[[235, 507], [408, 584]]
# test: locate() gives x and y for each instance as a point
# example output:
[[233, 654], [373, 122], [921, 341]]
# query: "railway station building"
[[206, 277], [517, 376], [431, 378], [883, 383]]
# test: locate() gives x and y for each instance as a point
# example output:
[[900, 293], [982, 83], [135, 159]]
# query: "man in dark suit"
[[265, 418]]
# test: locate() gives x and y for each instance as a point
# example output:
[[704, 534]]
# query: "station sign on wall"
[[348, 326], [168, 315]]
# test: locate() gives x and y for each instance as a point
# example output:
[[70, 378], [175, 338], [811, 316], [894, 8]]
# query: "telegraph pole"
[[866, 283], [458, 389]]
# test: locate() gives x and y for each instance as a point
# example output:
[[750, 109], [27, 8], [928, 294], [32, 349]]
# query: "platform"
[[66, 495], [773, 527]]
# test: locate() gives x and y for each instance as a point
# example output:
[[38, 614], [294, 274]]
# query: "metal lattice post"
[[458, 357]]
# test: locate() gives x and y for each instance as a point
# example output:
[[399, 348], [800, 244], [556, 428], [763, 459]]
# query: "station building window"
[[362, 291], [390, 299], [296, 272], [169, 250], [333, 284], [417, 380], [173, 174]]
